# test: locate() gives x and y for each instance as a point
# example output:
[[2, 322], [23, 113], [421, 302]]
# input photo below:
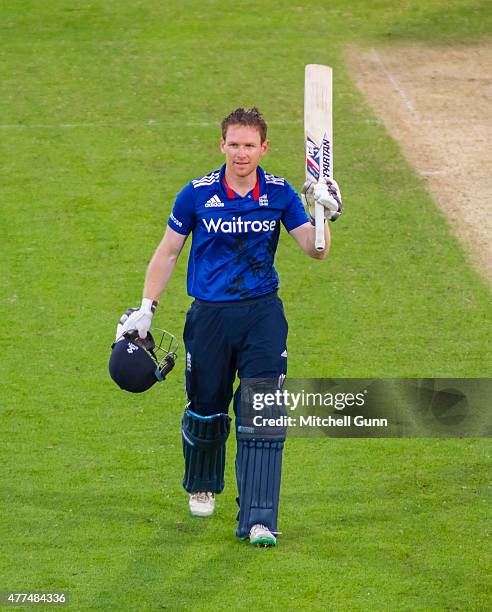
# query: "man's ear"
[[222, 144], [264, 147]]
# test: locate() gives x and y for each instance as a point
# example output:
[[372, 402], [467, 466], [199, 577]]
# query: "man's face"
[[243, 149]]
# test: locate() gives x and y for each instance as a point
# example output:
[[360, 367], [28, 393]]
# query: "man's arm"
[[159, 272], [305, 234], [162, 264]]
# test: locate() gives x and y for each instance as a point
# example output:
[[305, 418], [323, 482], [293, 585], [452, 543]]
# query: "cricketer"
[[236, 322]]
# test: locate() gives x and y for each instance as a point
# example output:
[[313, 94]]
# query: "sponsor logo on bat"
[[313, 152], [326, 152]]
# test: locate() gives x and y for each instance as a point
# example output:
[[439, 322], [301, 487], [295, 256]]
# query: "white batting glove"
[[121, 323], [327, 194], [140, 319]]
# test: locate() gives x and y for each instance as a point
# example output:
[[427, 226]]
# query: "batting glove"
[[138, 318], [327, 194]]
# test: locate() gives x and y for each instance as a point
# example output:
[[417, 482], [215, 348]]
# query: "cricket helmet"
[[136, 364]]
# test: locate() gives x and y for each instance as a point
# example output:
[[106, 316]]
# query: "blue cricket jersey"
[[234, 238]]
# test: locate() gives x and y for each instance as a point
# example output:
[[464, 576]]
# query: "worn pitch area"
[[436, 102]]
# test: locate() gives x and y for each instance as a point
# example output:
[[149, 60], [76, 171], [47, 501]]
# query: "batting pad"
[[204, 447], [258, 473]]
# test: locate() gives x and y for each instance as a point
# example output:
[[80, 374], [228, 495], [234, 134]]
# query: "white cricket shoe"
[[260, 535], [202, 503]]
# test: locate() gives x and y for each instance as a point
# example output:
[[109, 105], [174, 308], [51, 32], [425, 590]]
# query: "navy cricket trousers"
[[248, 337]]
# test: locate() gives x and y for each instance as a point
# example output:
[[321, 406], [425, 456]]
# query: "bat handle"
[[319, 224]]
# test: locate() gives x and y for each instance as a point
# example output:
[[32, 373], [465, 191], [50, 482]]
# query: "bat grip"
[[319, 224]]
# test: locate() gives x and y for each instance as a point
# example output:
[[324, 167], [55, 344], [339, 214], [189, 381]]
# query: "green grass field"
[[107, 109]]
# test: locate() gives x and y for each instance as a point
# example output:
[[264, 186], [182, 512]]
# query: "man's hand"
[[138, 318], [327, 194]]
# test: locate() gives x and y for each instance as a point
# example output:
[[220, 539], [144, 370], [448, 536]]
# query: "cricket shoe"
[[260, 535], [202, 503]]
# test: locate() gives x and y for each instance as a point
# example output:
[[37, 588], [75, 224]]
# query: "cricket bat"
[[318, 134]]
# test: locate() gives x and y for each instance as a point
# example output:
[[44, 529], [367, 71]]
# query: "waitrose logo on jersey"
[[238, 226]]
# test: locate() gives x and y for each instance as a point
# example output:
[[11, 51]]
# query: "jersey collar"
[[232, 194]]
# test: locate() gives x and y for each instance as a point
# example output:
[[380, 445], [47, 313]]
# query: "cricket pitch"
[[436, 103]]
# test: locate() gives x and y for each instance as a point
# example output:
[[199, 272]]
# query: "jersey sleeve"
[[182, 218], [294, 214]]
